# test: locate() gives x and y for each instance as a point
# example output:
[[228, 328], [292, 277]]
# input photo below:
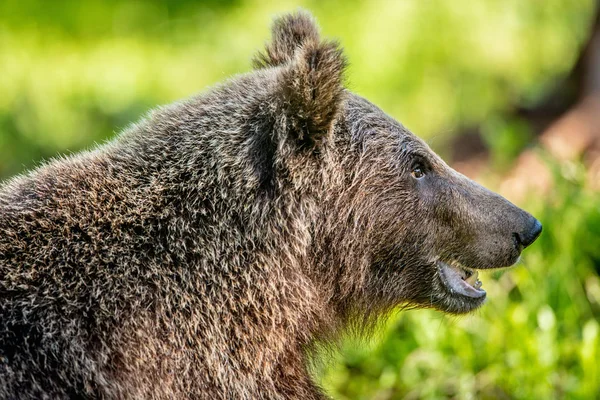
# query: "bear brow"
[[411, 150]]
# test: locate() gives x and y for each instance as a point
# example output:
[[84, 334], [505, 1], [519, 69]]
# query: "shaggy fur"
[[202, 252]]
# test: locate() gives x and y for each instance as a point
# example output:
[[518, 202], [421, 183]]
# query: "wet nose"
[[529, 235]]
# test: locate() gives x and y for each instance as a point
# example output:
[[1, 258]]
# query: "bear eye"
[[418, 171]]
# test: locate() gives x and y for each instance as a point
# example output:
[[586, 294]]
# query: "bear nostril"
[[529, 236]]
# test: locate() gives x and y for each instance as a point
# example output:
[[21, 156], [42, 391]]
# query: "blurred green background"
[[462, 74]]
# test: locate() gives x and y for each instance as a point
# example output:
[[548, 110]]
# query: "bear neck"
[[239, 253]]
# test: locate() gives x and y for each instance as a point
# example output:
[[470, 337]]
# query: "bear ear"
[[311, 90], [289, 33], [310, 81]]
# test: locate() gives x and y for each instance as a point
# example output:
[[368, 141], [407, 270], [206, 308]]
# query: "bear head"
[[396, 225]]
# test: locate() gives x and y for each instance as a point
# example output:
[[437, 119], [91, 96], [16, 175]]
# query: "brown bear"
[[204, 251]]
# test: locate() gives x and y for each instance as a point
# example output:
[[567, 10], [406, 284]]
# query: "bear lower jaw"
[[460, 280]]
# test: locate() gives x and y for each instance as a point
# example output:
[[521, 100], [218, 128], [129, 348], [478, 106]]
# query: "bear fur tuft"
[[289, 32]]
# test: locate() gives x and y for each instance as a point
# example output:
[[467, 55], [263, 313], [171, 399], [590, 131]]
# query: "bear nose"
[[529, 236]]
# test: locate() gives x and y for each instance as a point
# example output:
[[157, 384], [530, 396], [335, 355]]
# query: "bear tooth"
[[472, 280]]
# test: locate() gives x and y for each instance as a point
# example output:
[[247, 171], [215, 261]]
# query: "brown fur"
[[202, 252]]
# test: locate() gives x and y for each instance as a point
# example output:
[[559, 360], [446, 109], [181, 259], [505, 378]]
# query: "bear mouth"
[[460, 280]]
